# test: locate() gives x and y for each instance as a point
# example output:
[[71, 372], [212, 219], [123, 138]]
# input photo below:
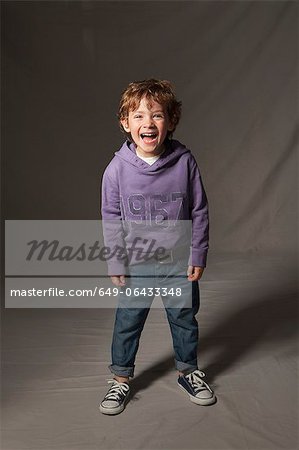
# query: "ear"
[[125, 125], [170, 126]]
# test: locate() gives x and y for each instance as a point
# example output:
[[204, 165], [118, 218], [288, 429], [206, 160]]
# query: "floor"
[[54, 370]]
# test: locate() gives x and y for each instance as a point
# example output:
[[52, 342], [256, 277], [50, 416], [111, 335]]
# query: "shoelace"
[[117, 390], [196, 382]]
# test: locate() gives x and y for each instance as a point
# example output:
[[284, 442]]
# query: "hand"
[[118, 280], [195, 273]]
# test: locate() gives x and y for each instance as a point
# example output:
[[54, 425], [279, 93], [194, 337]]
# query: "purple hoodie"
[[171, 189]]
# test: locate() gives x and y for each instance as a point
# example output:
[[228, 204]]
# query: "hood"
[[173, 151]]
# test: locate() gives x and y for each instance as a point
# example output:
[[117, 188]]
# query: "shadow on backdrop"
[[271, 318]]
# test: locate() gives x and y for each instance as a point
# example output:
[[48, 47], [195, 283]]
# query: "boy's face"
[[148, 125]]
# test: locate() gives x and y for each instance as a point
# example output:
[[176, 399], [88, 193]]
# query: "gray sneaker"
[[198, 390], [115, 400]]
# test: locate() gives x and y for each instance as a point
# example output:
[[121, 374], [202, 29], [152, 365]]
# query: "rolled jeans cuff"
[[122, 371], [185, 367]]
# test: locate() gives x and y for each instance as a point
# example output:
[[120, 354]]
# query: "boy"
[[154, 178]]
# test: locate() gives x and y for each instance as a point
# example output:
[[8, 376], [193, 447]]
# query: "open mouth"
[[148, 138]]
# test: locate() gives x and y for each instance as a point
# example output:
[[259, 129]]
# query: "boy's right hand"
[[118, 280]]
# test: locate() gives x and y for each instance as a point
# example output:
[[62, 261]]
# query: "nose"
[[148, 122]]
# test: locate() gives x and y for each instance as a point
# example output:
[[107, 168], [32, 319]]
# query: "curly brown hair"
[[160, 91]]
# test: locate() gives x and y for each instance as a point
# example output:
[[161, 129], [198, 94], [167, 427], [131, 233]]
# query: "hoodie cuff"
[[116, 268], [198, 257]]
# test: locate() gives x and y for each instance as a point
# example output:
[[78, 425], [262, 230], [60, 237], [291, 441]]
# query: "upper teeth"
[[148, 134]]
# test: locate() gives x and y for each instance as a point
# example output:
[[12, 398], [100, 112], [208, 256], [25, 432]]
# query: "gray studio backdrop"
[[234, 67]]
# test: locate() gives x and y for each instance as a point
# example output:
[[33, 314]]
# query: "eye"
[[159, 116], [137, 116]]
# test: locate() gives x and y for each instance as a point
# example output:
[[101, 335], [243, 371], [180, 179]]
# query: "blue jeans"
[[133, 310]]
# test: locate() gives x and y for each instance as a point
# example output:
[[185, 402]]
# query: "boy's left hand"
[[195, 273]]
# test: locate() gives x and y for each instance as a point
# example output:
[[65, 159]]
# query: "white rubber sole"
[[113, 411], [200, 401]]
